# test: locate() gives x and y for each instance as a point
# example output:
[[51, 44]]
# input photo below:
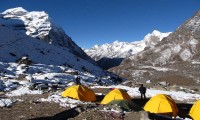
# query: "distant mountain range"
[[110, 55]]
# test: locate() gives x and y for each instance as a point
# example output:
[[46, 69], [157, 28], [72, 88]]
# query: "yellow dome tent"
[[116, 94], [162, 104], [195, 110], [79, 92]]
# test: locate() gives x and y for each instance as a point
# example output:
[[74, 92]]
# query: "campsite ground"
[[28, 107]]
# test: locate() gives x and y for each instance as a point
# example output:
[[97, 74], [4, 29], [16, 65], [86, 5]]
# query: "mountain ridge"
[[111, 55]]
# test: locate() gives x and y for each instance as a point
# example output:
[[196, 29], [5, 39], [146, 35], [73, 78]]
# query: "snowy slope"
[[14, 45], [125, 49], [39, 25]]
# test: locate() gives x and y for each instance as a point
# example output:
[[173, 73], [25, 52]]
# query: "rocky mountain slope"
[[110, 55], [176, 57], [40, 26]]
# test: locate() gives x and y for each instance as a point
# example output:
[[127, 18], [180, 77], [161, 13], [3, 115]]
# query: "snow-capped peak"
[[115, 42], [37, 24], [153, 38], [156, 32]]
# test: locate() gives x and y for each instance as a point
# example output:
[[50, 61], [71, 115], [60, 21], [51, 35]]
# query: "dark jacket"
[[78, 80], [142, 90]]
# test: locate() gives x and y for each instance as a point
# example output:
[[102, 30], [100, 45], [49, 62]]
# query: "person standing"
[[78, 80], [142, 90]]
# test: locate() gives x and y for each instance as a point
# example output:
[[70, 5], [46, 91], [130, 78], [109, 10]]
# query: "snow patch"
[[193, 42], [23, 91], [164, 56], [5, 102], [176, 49], [157, 68], [195, 62], [185, 55], [65, 102]]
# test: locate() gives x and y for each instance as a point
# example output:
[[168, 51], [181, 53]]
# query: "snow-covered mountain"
[[125, 49], [111, 55], [39, 25], [179, 54], [30, 45]]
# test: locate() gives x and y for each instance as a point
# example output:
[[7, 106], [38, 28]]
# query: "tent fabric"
[[195, 110], [162, 104], [79, 92], [116, 94], [126, 105]]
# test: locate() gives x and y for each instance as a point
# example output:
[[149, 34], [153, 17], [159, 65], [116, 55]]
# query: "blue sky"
[[90, 22]]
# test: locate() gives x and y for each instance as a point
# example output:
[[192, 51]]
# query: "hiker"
[[142, 90], [100, 81], [78, 80]]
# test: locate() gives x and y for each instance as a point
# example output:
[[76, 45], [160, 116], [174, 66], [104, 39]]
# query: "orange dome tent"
[[162, 104], [115, 94], [79, 92], [195, 111]]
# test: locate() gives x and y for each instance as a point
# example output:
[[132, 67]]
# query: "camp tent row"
[[83, 93], [159, 104], [116, 96]]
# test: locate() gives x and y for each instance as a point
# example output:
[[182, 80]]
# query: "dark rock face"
[[178, 54], [107, 63], [24, 60], [58, 37]]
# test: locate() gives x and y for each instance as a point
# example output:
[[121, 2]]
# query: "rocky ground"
[[28, 107], [182, 73]]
